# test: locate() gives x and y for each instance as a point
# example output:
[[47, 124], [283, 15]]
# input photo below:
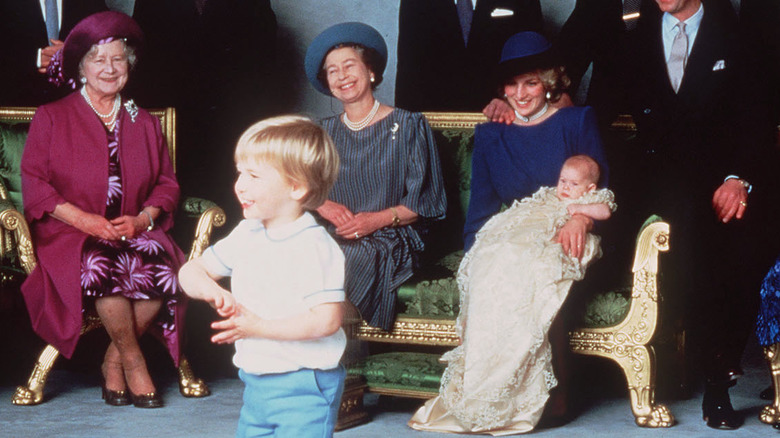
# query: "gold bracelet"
[[396, 219]]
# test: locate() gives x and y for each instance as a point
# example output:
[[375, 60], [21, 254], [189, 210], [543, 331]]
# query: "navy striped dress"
[[392, 162]]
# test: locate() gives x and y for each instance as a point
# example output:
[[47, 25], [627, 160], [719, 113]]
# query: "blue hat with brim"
[[524, 52], [351, 32]]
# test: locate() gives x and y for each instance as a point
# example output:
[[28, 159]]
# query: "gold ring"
[[743, 203], [357, 236]]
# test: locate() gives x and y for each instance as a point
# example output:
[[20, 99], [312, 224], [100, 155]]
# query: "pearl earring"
[[372, 79], [548, 95], [83, 80]]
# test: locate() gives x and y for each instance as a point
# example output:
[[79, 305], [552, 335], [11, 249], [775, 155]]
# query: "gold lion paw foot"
[[769, 415], [660, 416], [189, 385], [27, 397]]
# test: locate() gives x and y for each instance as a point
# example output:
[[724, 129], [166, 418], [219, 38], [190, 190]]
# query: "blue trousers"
[[298, 404]]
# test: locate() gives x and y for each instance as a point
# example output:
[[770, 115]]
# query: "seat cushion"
[[12, 139], [607, 309], [401, 371], [434, 293]]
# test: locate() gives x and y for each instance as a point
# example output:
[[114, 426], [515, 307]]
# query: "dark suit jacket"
[[22, 33], [436, 71], [594, 32], [697, 133]]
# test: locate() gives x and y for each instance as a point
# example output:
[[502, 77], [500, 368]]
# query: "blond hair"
[[586, 164], [299, 149]]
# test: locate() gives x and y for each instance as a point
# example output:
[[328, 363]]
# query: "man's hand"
[[499, 111], [48, 52], [730, 200]]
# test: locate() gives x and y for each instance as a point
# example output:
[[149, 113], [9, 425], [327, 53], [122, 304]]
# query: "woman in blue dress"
[[483, 390], [389, 186]]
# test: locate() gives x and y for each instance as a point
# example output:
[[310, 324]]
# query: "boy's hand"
[[241, 324], [224, 302]]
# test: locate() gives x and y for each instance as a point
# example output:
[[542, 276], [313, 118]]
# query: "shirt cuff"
[[38, 59], [748, 186]]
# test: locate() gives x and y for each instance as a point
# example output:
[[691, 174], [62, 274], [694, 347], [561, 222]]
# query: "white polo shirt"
[[277, 274]]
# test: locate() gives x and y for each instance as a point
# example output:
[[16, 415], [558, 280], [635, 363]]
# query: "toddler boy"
[[287, 280]]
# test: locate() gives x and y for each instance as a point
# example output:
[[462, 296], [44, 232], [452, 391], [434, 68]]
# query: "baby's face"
[[573, 183]]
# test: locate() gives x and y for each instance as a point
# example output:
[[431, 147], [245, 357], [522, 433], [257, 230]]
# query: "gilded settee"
[[618, 325]]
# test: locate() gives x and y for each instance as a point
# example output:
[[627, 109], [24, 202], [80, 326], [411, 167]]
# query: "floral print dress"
[[138, 268]]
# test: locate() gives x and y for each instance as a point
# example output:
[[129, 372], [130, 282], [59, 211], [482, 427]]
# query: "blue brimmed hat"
[[351, 32], [524, 52]]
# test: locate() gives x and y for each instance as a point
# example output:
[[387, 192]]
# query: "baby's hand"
[[574, 209]]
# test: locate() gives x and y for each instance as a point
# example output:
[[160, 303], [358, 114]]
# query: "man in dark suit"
[[437, 70], [23, 34], [694, 162], [594, 33]]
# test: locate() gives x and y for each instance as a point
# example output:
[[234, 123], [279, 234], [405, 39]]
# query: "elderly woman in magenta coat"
[[99, 193]]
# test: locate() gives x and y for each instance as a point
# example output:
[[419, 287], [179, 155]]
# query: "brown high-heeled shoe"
[[115, 398], [147, 401]]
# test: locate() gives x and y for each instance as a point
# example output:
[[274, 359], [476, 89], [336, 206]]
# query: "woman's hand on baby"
[[572, 235], [363, 224], [242, 324], [335, 213]]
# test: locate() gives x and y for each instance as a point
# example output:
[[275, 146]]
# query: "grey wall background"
[[300, 21]]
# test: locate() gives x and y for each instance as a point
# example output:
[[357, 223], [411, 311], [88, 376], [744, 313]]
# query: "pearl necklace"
[[533, 116], [357, 126], [114, 111]]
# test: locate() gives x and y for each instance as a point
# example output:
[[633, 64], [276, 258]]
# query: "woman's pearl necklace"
[[111, 115], [357, 126], [533, 116]]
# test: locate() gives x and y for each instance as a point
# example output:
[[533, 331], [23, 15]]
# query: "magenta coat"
[[65, 159]]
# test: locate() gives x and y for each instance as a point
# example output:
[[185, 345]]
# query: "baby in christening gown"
[[512, 284]]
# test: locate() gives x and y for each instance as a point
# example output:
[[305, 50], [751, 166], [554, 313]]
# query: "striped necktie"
[[52, 20], [465, 14]]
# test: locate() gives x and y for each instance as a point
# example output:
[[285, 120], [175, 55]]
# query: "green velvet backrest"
[[454, 134], [12, 138]]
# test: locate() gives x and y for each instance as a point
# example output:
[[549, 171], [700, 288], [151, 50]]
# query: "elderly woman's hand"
[[572, 235], [362, 225], [730, 200], [129, 226], [335, 213], [96, 225]]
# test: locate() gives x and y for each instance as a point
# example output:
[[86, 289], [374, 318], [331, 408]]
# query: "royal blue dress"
[[512, 162], [768, 322]]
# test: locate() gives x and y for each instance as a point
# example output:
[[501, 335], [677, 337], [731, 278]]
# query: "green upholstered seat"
[[401, 371]]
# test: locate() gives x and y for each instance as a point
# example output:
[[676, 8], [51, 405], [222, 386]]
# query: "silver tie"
[[678, 57]]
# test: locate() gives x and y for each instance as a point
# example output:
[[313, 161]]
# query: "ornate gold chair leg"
[[189, 385], [771, 413], [637, 363], [32, 394]]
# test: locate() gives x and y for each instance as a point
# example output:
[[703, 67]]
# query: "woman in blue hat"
[[499, 379], [390, 183]]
